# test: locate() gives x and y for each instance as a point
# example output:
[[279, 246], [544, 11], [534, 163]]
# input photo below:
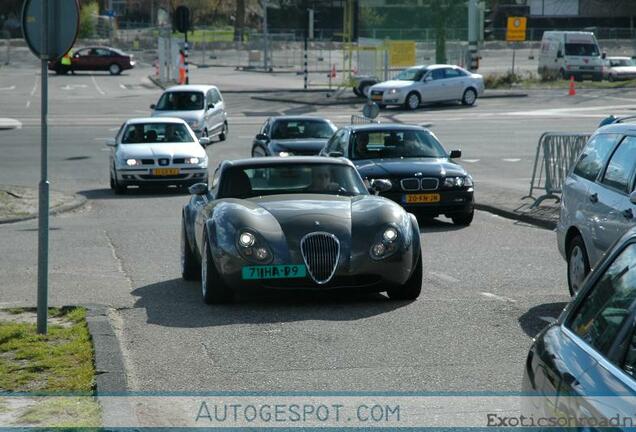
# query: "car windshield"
[[180, 101], [291, 178], [411, 74], [581, 49], [396, 144], [302, 129], [156, 133], [622, 62]]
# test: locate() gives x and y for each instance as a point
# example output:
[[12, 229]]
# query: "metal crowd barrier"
[[556, 154], [360, 119]]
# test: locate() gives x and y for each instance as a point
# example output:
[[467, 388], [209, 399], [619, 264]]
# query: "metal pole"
[[43, 204], [185, 58], [513, 58], [110, 20], [306, 72], [473, 36], [265, 38]]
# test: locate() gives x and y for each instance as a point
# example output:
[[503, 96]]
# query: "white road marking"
[[9, 123], [444, 277], [97, 86], [35, 87], [7, 88], [28, 104], [511, 159], [498, 297], [123, 86], [73, 86], [470, 160]]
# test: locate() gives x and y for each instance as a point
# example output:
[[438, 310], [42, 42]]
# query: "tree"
[[442, 10]]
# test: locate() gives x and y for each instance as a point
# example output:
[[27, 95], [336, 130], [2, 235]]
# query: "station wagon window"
[[604, 311], [621, 166], [593, 156]]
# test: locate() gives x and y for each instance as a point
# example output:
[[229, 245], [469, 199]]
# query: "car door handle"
[[594, 197], [628, 214]]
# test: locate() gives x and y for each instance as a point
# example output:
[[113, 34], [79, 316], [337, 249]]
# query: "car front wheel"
[[114, 69], [412, 101], [412, 288], [578, 264], [469, 97], [115, 186], [464, 219], [224, 132], [213, 289], [190, 267]]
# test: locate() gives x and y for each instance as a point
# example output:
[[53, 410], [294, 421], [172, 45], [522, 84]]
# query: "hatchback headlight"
[[133, 162], [193, 160]]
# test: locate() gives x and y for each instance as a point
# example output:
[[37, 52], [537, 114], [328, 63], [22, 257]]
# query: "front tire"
[[224, 132], [412, 287], [213, 289], [412, 101], [578, 264], [114, 69], [190, 267], [463, 219], [470, 97], [115, 186]]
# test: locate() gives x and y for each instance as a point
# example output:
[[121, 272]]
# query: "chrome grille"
[[321, 252], [410, 184], [429, 184]]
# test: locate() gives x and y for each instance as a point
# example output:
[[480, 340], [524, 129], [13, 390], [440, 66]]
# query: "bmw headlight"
[[253, 248], [458, 182], [385, 244], [133, 162]]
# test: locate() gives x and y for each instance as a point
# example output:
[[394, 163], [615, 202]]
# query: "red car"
[[95, 59]]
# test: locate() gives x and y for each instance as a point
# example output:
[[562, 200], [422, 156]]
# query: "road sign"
[[516, 30], [62, 27], [370, 110], [182, 19], [401, 53]]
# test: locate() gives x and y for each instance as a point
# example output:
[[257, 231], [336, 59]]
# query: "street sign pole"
[[43, 205], [514, 49]]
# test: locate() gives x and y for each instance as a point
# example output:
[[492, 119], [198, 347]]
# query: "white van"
[[570, 53]]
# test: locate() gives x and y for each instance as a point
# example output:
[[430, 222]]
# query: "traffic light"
[[488, 24]]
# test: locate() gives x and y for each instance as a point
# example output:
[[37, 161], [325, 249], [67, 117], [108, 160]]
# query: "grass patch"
[[530, 80], [63, 412], [60, 361]]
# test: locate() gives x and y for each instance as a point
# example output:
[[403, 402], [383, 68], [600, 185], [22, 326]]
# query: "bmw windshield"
[[390, 144]]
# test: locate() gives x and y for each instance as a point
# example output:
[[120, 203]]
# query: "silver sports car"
[[156, 151]]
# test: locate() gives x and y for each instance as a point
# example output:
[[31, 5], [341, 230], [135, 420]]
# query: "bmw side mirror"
[[153, 106], [262, 137], [198, 189], [204, 141], [632, 197], [381, 185], [455, 154], [110, 142]]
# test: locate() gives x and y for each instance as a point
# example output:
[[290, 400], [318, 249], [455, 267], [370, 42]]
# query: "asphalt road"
[[487, 288]]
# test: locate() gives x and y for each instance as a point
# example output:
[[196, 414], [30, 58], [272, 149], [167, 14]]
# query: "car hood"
[[140, 151], [304, 145], [392, 84], [188, 116], [408, 168]]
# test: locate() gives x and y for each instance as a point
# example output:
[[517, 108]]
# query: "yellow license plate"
[[421, 198], [165, 171], [376, 97]]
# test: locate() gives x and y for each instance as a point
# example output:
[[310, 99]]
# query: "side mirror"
[[262, 137], [559, 54], [210, 106], [632, 197], [198, 189], [381, 185], [110, 142], [604, 55], [455, 154], [335, 154], [153, 106], [428, 78], [204, 141]]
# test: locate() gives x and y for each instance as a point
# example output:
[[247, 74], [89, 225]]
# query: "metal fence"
[[556, 154], [357, 119]]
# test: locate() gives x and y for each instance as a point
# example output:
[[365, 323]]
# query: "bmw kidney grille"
[[321, 252]]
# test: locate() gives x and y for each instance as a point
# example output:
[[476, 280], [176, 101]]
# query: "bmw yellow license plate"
[[165, 171], [421, 198], [274, 272]]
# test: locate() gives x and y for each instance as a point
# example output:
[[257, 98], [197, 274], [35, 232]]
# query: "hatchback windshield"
[[581, 49], [411, 74], [180, 101], [302, 129], [396, 144], [156, 133], [292, 178]]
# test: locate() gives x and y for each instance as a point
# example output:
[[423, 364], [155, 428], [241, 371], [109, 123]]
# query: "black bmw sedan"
[[425, 179], [292, 136]]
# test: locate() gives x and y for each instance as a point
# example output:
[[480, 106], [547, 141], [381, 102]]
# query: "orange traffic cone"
[[572, 91], [333, 71]]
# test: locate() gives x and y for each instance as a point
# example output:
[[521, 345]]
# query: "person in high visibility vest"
[[67, 62], [182, 70]]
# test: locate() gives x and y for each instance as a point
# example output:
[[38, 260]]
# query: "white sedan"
[[428, 84], [156, 152]]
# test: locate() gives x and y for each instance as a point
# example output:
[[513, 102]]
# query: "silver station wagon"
[[598, 201]]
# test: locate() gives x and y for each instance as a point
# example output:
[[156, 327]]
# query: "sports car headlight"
[[247, 239], [193, 160], [133, 162], [386, 243], [458, 182], [253, 247]]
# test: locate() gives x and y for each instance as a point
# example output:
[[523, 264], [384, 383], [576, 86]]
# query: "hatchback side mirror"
[[381, 185], [110, 142], [262, 137], [198, 189], [210, 106], [632, 197], [455, 154], [204, 141], [153, 106]]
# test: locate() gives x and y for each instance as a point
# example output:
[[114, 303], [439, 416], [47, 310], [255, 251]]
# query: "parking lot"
[[488, 288]]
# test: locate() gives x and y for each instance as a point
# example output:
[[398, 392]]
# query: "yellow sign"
[[516, 30], [401, 53]]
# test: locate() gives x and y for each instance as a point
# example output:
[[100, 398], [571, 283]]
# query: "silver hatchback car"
[[598, 203]]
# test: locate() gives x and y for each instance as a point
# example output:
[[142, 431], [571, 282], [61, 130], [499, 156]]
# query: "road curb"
[[110, 372], [509, 214], [78, 201], [503, 95], [301, 102]]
